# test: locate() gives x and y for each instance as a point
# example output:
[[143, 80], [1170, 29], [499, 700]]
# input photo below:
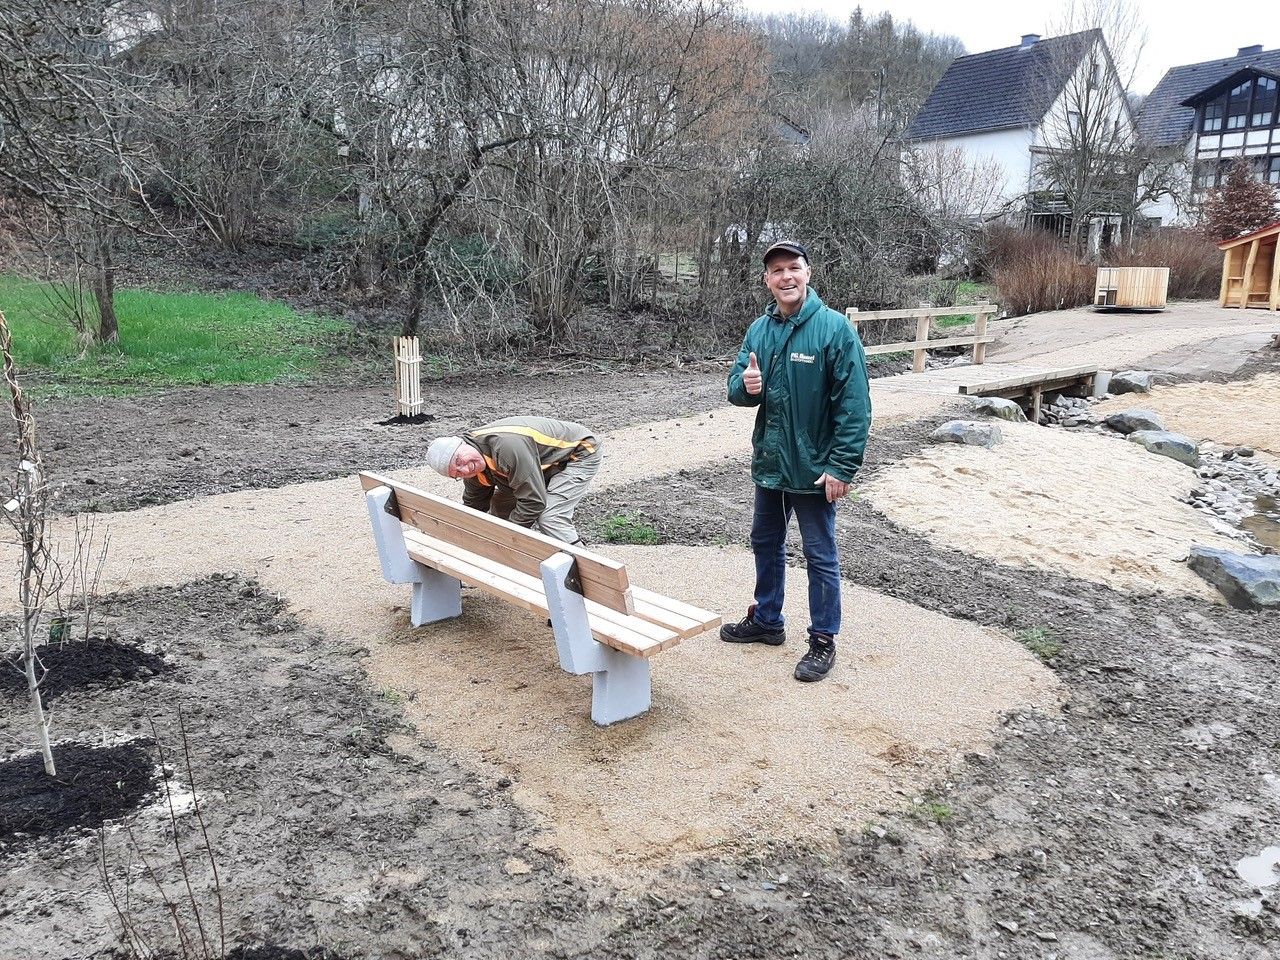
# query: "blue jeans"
[[817, 520]]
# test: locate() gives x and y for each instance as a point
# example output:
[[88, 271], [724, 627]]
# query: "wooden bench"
[[921, 345], [602, 624]]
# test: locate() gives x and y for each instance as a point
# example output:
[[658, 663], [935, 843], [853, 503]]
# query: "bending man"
[[532, 471]]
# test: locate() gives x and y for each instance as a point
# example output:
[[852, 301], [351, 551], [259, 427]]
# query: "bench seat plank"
[[603, 580], [671, 607], [623, 632]]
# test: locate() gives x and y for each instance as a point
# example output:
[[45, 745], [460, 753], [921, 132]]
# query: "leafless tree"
[[1087, 140], [39, 575], [62, 116], [638, 94], [955, 193]]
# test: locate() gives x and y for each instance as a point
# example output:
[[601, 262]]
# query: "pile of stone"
[[1231, 482], [1057, 409]]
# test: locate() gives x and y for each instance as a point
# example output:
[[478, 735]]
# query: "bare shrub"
[[1032, 271], [1195, 265], [39, 576]]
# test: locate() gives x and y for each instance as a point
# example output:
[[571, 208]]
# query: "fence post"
[[408, 376], [980, 330], [922, 337]]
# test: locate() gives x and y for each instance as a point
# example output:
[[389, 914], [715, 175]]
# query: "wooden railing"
[[921, 345]]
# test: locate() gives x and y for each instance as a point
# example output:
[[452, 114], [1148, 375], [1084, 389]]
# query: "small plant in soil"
[[1039, 641], [39, 576], [935, 810], [628, 528], [194, 928]]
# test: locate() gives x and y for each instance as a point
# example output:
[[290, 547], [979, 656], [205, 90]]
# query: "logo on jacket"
[[797, 357]]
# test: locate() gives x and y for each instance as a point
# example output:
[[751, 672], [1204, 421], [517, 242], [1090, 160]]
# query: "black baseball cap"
[[786, 246]]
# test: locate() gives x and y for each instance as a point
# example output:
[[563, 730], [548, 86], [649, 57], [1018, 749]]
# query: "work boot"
[[747, 630], [815, 664]]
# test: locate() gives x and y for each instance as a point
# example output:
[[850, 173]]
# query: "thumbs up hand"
[[752, 381]]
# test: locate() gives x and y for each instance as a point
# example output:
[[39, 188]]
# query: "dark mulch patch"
[[78, 664], [404, 419], [93, 784]]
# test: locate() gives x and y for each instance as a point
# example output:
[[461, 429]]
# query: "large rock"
[[969, 432], [1248, 582], [1173, 445], [1127, 421], [1130, 381], [999, 407]]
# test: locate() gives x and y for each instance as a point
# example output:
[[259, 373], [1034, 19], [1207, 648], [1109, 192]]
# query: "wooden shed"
[[1251, 270]]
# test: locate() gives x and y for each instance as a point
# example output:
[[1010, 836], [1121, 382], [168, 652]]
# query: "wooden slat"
[[1043, 376], [1246, 287], [678, 607], [625, 633], [968, 310], [603, 580], [906, 345]]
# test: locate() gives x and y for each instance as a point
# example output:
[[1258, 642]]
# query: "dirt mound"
[[81, 664], [93, 784]]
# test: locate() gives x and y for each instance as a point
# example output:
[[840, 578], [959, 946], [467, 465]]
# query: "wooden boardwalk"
[[1013, 381]]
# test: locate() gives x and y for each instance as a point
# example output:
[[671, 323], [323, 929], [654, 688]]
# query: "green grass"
[[1040, 642], [166, 339], [967, 292], [932, 808], [627, 528]]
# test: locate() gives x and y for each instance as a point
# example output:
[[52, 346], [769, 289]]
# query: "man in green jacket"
[[803, 366], [532, 471]]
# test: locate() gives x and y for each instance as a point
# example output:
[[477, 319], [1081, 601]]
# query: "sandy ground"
[[716, 762], [1245, 412], [1117, 341], [1093, 506]]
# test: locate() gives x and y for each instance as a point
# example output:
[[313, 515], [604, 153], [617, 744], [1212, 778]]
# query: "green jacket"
[[815, 408]]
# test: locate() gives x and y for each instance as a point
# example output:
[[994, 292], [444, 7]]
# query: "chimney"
[[1249, 51], [1031, 39]]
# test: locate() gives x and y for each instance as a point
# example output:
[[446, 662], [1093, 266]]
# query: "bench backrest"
[[502, 542]]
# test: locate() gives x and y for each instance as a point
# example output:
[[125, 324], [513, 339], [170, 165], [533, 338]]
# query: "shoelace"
[[816, 653]]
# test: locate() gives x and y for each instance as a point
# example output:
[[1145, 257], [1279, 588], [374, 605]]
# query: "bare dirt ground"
[[366, 801]]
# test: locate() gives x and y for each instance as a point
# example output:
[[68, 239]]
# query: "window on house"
[[1213, 114], [1238, 106], [1073, 121], [1264, 103], [1273, 170]]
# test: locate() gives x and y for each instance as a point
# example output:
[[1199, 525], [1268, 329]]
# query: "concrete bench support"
[[435, 595], [620, 682]]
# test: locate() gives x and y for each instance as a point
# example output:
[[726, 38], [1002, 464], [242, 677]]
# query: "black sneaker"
[[815, 664], [747, 630]]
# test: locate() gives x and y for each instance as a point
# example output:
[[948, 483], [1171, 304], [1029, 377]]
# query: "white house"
[[1007, 110], [1210, 114]]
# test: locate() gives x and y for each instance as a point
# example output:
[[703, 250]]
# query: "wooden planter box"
[[1142, 288]]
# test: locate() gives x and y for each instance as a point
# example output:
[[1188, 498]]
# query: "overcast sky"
[[1192, 36]]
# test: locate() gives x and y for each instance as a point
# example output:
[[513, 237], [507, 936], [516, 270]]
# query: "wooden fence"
[[408, 376], [921, 345]]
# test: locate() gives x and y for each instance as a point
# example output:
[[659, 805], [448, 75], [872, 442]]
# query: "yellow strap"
[[530, 432]]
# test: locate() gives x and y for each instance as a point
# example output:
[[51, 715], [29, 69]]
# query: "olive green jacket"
[[521, 454]]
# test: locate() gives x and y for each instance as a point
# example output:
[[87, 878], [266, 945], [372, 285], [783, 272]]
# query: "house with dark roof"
[[1211, 114], [1005, 110]]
